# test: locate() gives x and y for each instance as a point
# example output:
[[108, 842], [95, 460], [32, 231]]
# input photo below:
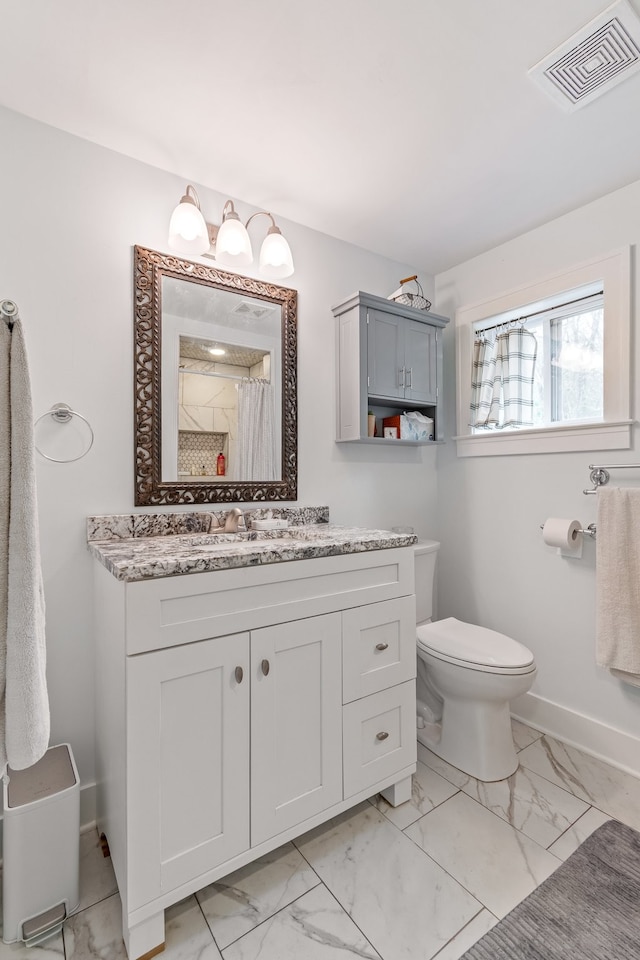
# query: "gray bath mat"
[[589, 909]]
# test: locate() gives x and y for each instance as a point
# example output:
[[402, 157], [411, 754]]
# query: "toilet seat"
[[476, 648]]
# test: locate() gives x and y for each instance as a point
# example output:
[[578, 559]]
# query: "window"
[[576, 394], [555, 375]]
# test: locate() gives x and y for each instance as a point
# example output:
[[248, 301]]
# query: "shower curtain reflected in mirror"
[[256, 431]]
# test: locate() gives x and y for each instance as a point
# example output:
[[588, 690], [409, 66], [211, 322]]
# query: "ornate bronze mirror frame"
[[152, 487]]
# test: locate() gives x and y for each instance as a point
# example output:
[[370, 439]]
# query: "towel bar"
[[600, 474], [62, 413]]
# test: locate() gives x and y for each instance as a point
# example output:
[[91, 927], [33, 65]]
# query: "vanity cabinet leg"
[[398, 792], [146, 939]]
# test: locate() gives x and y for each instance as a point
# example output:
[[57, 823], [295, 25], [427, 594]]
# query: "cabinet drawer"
[[378, 647], [379, 737]]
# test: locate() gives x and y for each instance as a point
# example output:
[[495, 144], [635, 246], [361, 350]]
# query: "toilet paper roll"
[[564, 534]]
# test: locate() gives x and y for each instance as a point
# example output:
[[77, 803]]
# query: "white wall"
[[494, 568], [71, 213]]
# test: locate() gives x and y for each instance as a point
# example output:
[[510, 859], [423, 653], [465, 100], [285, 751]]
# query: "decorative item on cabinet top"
[[389, 360], [410, 299]]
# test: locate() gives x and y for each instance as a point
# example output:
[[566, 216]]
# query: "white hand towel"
[[618, 579], [24, 703]]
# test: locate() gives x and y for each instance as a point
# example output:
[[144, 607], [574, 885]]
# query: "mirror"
[[215, 385]]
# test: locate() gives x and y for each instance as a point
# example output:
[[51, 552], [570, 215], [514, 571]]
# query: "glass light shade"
[[276, 260], [188, 232], [233, 246]]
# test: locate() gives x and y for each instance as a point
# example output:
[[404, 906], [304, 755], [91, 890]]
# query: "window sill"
[[561, 439]]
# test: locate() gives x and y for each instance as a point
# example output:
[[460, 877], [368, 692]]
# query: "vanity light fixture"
[[233, 246], [229, 244], [188, 231]]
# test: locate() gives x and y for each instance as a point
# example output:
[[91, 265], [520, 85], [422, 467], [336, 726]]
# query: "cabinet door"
[[385, 354], [420, 362], [188, 762], [296, 723]]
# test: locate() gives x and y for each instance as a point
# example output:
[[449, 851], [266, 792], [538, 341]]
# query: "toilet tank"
[[425, 553]]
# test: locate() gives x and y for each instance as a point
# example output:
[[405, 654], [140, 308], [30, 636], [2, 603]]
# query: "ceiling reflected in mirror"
[[210, 351]]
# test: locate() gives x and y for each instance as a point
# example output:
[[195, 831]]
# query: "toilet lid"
[[469, 643]]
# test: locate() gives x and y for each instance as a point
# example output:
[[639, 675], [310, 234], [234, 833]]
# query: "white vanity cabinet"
[[237, 709], [389, 359]]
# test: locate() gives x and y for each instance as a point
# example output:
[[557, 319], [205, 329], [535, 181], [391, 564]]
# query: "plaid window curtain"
[[502, 379]]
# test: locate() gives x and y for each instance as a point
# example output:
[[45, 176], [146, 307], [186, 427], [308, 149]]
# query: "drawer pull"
[[381, 646], [265, 667], [239, 674], [382, 735]]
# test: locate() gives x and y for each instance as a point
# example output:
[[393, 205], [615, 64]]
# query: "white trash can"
[[41, 840]]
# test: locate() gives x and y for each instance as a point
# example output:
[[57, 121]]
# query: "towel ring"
[[62, 413]]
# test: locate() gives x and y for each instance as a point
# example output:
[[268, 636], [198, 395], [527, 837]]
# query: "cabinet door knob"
[[239, 674], [382, 735], [265, 667], [381, 646]]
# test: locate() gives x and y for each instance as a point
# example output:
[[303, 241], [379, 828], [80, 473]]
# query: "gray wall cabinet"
[[389, 360]]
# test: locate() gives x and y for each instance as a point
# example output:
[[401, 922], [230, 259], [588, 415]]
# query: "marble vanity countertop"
[[144, 558]]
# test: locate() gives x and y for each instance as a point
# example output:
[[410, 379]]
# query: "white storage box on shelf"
[[41, 838]]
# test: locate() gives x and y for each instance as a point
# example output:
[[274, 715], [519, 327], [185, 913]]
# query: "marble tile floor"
[[419, 882]]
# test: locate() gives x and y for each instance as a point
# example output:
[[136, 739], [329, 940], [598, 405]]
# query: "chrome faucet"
[[231, 520]]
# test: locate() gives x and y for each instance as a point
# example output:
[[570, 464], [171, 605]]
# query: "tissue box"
[[411, 426]]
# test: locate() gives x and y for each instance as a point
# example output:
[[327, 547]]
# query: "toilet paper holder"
[[589, 531]]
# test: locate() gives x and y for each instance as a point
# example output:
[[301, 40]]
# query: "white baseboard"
[[577, 730]]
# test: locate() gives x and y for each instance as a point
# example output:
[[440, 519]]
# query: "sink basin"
[[255, 543], [246, 543], [221, 545], [242, 538], [210, 539]]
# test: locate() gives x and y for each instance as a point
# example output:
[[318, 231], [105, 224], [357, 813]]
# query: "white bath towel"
[[24, 703], [618, 580]]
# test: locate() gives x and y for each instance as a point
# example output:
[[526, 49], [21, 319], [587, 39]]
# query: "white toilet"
[[466, 677]]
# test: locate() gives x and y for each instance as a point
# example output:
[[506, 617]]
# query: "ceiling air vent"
[[604, 53], [254, 309]]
